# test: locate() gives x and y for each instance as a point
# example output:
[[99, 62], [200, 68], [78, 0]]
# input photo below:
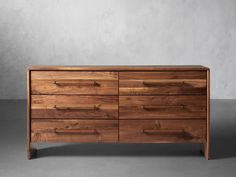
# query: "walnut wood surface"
[[162, 75], [162, 87], [75, 75], [74, 106], [208, 138], [164, 107], [80, 83], [165, 82], [130, 104], [29, 148], [75, 130], [162, 131], [77, 87]]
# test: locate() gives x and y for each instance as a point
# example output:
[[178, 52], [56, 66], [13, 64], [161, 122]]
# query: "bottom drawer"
[[55, 130], [151, 131]]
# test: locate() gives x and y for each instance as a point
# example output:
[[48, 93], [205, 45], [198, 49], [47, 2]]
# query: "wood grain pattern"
[[165, 82], [28, 116], [162, 87], [162, 131], [126, 104], [164, 107], [77, 87], [162, 75], [76, 82], [208, 138], [75, 75], [74, 106], [67, 130]]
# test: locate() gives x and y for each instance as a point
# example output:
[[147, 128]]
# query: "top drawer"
[[74, 82], [163, 83]]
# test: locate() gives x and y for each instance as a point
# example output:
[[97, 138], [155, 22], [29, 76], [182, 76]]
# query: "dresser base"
[[33, 153]]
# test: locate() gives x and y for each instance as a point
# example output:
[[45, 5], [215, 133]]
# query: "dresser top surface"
[[119, 67]]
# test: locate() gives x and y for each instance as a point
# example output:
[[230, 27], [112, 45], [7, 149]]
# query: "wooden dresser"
[[118, 104]]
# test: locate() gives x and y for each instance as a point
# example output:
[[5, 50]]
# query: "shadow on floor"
[[222, 146], [121, 150], [223, 133], [223, 129]]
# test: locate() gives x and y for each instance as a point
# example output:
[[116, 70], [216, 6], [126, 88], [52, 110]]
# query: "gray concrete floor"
[[117, 160]]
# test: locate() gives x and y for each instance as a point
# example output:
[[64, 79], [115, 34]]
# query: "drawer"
[[73, 82], [165, 82], [164, 107], [74, 106], [54, 130], [166, 131]]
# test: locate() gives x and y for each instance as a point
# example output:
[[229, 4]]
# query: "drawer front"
[[154, 131], [166, 82], [72, 82], [164, 107], [74, 106], [55, 130]]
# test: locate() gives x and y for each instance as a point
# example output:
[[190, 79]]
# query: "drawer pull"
[[163, 84], [78, 84], [94, 108], [150, 108], [160, 131], [76, 131]]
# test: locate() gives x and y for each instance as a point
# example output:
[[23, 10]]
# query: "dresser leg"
[[206, 151], [32, 152]]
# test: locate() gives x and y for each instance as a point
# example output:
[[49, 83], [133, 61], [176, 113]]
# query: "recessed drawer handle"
[[160, 131], [76, 131], [163, 107], [78, 84], [94, 108], [163, 84]]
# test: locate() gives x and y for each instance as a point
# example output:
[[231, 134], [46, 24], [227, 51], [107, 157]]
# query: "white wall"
[[111, 32]]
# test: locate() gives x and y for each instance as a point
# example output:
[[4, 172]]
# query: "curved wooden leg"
[[206, 151], [32, 152]]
